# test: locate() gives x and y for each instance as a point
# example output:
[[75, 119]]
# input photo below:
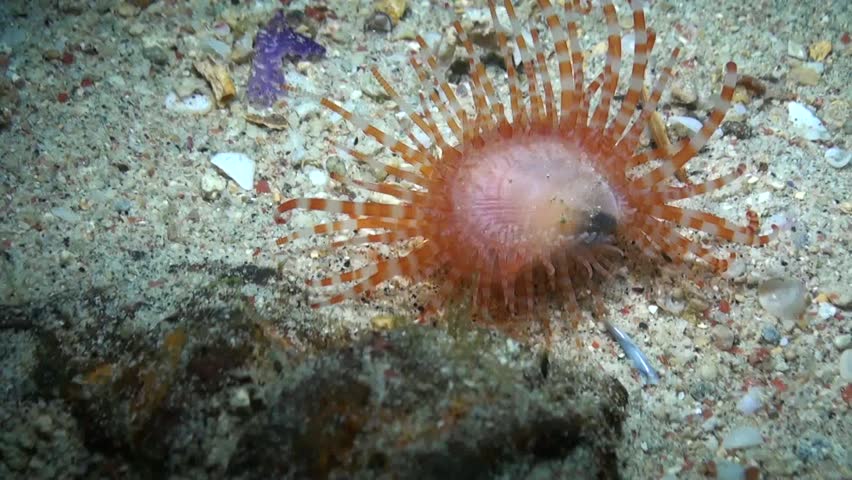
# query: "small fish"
[[640, 361]]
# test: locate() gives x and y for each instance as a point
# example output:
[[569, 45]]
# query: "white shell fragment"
[[238, 166], [805, 123], [785, 298], [195, 104], [691, 124], [742, 437], [837, 157]]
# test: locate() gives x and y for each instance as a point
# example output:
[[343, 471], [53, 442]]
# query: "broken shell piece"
[[837, 157], [819, 50], [684, 126], [195, 104], [805, 123], [219, 79], [238, 166], [393, 8], [272, 121]]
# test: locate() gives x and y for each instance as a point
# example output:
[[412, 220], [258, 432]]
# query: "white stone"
[[317, 177], [238, 166], [826, 310], [783, 297], [805, 123], [751, 401]]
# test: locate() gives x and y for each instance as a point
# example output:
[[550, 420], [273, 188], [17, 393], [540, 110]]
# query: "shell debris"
[[394, 9], [219, 78], [238, 166], [819, 50]]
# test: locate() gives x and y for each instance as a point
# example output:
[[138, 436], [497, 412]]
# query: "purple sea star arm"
[[271, 45]]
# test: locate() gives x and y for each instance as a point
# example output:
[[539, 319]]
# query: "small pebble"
[[789, 353], [127, 10], [65, 258], [156, 51], [684, 94], [841, 342], [212, 185], [708, 371], [723, 337], [770, 335], [51, 54], [826, 310], [742, 437], [751, 401], [137, 29], [785, 298], [738, 129], [796, 50], [240, 399]]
